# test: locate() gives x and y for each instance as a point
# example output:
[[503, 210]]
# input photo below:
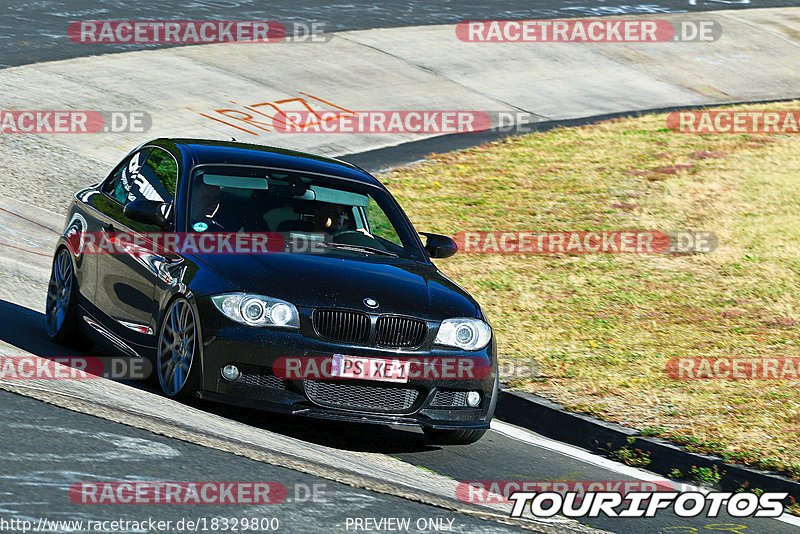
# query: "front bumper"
[[255, 350], [439, 421]]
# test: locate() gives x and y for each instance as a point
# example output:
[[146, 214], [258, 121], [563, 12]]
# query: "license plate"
[[370, 368]]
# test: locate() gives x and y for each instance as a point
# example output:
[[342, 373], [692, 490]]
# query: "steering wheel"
[[211, 225], [354, 237], [346, 232]]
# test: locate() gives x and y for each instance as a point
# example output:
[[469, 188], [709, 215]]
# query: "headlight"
[[257, 310], [464, 333]]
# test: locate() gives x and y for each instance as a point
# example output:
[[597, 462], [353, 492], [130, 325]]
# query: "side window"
[[379, 224], [121, 184], [150, 174], [161, 173]]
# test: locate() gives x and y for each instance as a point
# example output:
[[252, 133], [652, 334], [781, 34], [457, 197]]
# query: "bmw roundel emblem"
[[371, 303]]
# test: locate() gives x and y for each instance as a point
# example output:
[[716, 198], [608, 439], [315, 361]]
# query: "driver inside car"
[[333, 219], [226, 211], [330, 219], [206, 207]]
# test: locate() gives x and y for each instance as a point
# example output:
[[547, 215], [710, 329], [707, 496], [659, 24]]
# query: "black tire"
[[177, 364], [453, 437], [61, 308]]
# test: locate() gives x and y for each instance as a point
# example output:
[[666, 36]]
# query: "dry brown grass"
[[602, 327]]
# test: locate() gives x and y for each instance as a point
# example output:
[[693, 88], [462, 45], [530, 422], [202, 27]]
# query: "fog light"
[[231, 373], [473, 399]]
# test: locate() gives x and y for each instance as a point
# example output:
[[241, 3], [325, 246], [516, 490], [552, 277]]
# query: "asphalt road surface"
[[37, 474], [34, 31], [46, 449]]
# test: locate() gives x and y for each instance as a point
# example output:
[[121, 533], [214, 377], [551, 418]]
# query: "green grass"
[[631, 456], [705, 474], [602, 327]]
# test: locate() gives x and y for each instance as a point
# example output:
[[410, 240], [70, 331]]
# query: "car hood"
[[319, 281]]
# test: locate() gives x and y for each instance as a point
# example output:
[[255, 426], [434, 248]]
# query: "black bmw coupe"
[[339, 313]]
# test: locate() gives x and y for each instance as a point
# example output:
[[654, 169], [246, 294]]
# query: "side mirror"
[[148, 212], [439, 246]]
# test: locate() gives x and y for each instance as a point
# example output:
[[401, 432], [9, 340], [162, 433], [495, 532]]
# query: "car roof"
[[208, 151]]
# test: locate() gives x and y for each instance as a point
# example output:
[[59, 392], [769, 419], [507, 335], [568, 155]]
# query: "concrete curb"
[[552, 420], [385, 158]]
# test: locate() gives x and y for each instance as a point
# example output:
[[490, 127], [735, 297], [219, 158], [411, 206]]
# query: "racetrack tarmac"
[[83, 449], [31, 32]]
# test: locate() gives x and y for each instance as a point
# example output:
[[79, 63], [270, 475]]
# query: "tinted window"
[[120, 185], [161, 171], [150, 174], [301, 206], [379, 224]]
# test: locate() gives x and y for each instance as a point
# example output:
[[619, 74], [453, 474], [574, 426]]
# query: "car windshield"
[[341, 216]]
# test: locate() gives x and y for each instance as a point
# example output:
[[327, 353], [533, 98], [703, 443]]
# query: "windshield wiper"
[[360, 248]]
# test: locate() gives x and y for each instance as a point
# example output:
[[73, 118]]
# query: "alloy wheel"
[[176, 347], [59, 292]]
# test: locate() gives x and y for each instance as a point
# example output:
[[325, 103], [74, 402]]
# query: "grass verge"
[[602, 327]]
